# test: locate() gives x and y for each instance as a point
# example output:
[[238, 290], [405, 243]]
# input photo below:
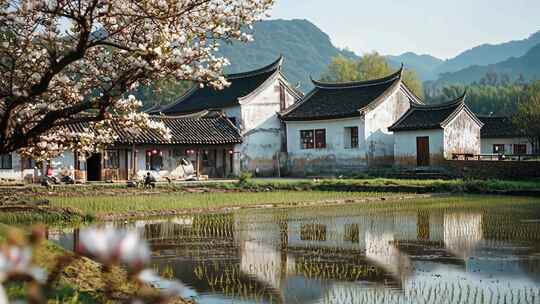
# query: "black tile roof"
[[425, 117], [207, 98], [340, 100], [184, 130], [499, 127]]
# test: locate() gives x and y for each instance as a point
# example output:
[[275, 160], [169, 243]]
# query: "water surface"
[[449, 250]]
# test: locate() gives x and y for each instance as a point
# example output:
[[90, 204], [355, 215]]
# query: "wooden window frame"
[[499, 151], [109, 162], [320, 140], [518, 147], [5, 158], [307, 142]]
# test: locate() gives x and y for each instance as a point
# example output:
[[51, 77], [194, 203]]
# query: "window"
[[351, 137], [498, 148], [154, 160], [5, 161], [306, 139], [310, 139], [320, 138], [313, 232], [520, 149], [111, 159]]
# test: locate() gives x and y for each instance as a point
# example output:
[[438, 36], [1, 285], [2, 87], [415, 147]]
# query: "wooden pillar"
[[197, 161]]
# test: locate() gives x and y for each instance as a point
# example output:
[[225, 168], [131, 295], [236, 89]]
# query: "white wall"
[[261, 128], [487, 144], [335, 156], [15, 172], [405, 146], [462, 136], [380, 141]]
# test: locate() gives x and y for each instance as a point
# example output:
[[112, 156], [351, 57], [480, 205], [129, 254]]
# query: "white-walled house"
[[501, 136], [427, 135], [343, 127], [251, 102], [199, 145]]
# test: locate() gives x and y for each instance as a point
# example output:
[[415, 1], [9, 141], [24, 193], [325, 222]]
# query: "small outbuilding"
[[501, 136], [426, 135]]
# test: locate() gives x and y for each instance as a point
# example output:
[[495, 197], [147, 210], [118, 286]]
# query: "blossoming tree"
[[67, 62]]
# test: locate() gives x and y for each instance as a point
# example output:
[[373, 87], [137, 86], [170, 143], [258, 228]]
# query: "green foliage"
[[307, 50], [245, 178], [527, 116], [483, 99], [162, 92], [370, 66]]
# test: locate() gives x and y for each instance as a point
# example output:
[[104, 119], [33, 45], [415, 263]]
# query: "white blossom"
[[110, 246], [62, 77], [17, 260]]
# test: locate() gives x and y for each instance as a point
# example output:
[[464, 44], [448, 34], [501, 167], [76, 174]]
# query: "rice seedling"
[[105, 204]]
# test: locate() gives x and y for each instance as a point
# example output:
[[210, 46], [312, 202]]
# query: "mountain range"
[[431, 68], [307, 50]]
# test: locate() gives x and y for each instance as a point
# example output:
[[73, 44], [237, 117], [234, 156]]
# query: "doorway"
[[93, 167], [422, 151]]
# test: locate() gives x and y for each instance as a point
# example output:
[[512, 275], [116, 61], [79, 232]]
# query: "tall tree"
[[67, 62], [527, 116], [369, 66]]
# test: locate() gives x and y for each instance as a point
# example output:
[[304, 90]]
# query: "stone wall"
[[494, 169]]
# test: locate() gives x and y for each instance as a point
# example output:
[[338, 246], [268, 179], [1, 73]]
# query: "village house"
[[501, 136], [200, 144], [427, 135], [251, 102], [343, 127]]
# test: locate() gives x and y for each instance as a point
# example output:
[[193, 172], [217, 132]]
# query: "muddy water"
[[484, 253]]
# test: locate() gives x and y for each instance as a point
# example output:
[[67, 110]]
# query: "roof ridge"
[[354, 84], [441, 106], [270, 67]]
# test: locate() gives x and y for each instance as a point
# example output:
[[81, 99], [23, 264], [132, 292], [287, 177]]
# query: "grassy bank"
[[106, 204], [80, 282]]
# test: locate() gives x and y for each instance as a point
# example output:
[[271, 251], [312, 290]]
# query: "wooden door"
[[422, 151]]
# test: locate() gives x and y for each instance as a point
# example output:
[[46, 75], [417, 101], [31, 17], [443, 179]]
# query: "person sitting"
[[149, 181]]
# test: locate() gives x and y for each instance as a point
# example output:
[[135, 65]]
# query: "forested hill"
[[526, 67], [489, 54], [307, 50], [423, 65]]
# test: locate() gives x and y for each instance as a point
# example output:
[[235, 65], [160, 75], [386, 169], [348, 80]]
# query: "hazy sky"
[[442, 28]]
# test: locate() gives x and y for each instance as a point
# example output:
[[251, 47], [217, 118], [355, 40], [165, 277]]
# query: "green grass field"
[[104, 204]]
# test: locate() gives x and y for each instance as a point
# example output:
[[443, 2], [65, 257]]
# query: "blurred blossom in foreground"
[[111, 246], [17, 261]]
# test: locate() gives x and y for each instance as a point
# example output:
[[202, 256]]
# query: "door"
[[422, 151], [93, 167]]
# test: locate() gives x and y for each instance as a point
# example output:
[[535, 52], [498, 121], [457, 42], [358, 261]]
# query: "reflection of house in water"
[[295, 256]]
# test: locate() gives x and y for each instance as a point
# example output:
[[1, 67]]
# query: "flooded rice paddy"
[[446, 250]]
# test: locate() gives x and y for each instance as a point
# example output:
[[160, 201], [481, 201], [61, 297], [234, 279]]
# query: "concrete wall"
[[380, 141], [405, 147], [494, 169], [335, 157], [261, 128], [462, 136], [487, 144]]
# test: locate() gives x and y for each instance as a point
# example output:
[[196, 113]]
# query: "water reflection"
[[343, 255]]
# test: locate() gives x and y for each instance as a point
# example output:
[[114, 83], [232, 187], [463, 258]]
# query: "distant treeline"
[[494, 94]]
